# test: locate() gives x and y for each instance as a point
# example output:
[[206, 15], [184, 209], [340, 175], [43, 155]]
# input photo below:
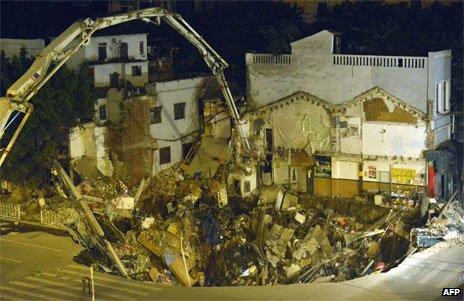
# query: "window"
[[136, 70], [186, 149], [179, 110], [102, 113], [155, 115], [114, 80], [165, 155], [123, 51], [246, 186], [442, 96], [102, 55], [141, 47]]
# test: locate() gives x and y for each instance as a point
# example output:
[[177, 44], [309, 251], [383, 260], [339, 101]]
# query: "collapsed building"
[[345, 148]]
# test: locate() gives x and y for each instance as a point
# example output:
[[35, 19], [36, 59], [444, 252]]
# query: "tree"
[[68, 97]]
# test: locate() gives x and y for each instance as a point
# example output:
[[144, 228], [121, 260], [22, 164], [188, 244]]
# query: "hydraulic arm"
[[78, 35]]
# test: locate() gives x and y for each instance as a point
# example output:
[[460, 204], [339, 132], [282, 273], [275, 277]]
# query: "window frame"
[[99, 48], [142, 47], [163, 154], [153, 111], [177, 114], [137, 69], [102, 109]]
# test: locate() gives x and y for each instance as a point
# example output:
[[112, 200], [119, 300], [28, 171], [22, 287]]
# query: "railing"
[[13, 212], [380, 61], [10, 211], [272, 59]]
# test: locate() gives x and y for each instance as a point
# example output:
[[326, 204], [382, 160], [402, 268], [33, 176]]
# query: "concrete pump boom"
[[78, 35]]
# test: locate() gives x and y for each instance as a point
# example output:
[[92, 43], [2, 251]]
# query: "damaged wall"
[[136, 49], [138, 77], [312, 67], [171, 132], [88, 150], [389, 139], [217, 123], [136, 143]]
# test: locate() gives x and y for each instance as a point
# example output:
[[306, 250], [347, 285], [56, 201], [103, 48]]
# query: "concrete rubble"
[[178, 230]]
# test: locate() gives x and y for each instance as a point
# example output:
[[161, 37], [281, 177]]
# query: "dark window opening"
[[269, 140], [268, 165], [141, 47], [165, 155], [179, 110], [102, 112], [136, 70], [155, 115], [236, 186], [114, 80], [123, 51], [186, 147], [102, 55], [246, 186]]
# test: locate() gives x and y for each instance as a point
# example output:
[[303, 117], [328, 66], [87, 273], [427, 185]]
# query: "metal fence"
[[13, 212]]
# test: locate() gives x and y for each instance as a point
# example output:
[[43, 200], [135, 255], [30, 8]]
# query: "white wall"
[[89, 140], [176, 155], [393, 139], [344, 169], [112, 44], [90, 52], [13, 46], [167, 94], [102, 73], [312, 68]]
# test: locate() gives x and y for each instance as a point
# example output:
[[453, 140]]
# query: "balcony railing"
[[271, 59], [380, 61]]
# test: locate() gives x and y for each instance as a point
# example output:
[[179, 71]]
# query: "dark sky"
[[39, 19]]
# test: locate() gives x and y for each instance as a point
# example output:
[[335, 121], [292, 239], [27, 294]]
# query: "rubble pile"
[[173, 229], [193, 238]]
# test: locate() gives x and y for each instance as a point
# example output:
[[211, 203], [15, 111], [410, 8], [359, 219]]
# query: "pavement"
[[39, 266]]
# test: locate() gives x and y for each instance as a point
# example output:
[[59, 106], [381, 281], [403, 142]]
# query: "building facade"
[[116, 60], [359, 122]]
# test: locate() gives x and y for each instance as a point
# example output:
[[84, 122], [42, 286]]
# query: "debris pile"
[[173, 229]]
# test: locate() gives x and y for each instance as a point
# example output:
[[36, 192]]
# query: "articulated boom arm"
[[78, 35]]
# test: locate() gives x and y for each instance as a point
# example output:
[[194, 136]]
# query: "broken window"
[[136, 70], [165, 155], [141, 47], [102, 55], [155, 115], [186, 149], [179, 110], [102, 113]]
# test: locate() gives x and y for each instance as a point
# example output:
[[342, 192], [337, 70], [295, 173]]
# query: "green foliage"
[[68, 97]]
